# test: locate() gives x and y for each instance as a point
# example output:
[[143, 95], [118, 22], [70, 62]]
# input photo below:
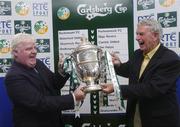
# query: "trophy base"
[[92, 88]]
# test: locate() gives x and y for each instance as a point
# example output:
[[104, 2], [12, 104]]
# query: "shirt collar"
[[152, 52]]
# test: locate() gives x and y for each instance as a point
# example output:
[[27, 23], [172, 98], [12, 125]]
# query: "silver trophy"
[[88, 60]]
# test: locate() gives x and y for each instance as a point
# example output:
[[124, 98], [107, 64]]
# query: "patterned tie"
[[137, 119]]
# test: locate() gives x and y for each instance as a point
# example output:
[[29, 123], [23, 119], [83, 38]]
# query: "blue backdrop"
[[6, 106]]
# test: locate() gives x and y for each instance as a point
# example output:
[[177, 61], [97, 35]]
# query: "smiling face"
[[25, 53], [147, 39]]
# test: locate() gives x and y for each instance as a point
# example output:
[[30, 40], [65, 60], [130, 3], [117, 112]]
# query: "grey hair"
[[20, 38], [154, 25]]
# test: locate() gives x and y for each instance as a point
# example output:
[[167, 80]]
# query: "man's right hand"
[[115, 59], [79, 93], [107, 88]]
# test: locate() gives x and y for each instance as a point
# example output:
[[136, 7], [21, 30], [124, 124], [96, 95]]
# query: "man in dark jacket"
[[152, 72], [34, 89]]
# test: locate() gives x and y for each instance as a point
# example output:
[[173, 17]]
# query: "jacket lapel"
[[153, 60], [28, 71], [34, 74], [137, 65], [45, 79], [43, 76]]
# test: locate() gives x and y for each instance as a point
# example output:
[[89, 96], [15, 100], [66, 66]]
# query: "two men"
[[151, 93]]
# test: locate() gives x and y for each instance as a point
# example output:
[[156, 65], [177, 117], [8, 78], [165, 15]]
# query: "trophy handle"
[[74, 64]]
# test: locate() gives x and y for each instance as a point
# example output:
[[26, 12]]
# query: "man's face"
[[147, 40], [25, 53]]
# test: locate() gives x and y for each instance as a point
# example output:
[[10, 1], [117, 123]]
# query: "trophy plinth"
[[92, 88], [87, 59]]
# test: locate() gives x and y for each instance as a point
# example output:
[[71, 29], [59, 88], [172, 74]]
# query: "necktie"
[[137, 120], [144, 64]]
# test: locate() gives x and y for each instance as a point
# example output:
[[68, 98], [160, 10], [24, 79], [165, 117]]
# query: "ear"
[[156, 36], [14, 53]]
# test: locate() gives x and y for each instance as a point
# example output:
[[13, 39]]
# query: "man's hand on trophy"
[[115, 59], [107, 88], [79, 93]]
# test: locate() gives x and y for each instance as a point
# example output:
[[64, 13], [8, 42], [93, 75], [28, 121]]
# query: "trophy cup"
[[88, 61]]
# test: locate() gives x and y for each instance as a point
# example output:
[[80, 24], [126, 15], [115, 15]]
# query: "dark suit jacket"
[[35, 96], [155, 90]]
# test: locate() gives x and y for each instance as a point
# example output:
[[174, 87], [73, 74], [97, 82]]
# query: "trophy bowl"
[[87, 59]]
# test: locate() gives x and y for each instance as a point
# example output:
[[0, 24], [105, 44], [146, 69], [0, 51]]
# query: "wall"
[[5, 107]]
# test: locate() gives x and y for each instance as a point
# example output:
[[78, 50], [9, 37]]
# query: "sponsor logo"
[[91, 11], [150, 16], [5, 7], [168, 19], [145, 4], [40, 9], [43, 45], [22, 26], [119, 8], [5, 27], [46, 61], [41, 27], [63, 13], [22, 8], [5, 64], [166, 3], [4, 46], [170, 40]]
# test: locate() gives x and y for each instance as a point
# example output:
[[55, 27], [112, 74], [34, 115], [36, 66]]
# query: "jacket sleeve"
[[122, 70], [23, 93]]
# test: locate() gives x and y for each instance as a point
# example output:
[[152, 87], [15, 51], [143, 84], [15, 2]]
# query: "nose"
[[137, 37], [34, 50]]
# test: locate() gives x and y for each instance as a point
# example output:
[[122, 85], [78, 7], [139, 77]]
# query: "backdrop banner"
[[108, 24]]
